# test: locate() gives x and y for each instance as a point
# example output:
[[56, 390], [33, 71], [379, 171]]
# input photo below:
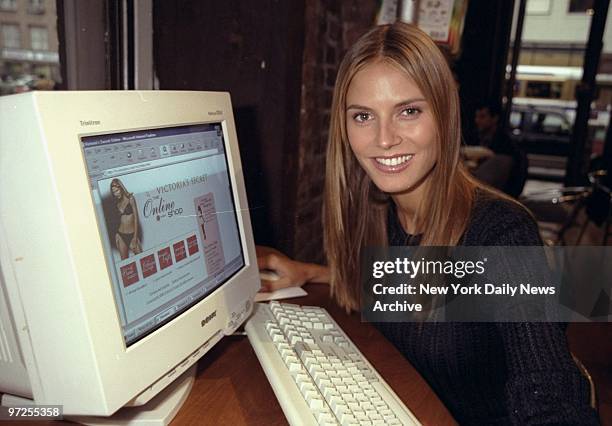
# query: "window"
[[36, 7], [550, 123], [11, 36], [538, 7], [29, 48], [580, 6], [10, 5], [39, 38], [538, 89], [516, 119]]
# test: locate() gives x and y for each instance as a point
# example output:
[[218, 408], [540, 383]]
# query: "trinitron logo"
[[89, 122]]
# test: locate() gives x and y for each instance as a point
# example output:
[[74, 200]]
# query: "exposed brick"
[[334, 29], [330, 55], [307, 217], [321, 55], [328, 24], [330, 77], [328, 96], [320, 77], [326, 117], [316, 189]]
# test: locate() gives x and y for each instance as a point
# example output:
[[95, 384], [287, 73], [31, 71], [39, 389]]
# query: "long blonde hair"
[[355, 211]]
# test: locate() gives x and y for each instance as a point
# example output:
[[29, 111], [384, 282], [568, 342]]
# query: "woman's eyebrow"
[[399, 104], [410, 101], [355, 106]]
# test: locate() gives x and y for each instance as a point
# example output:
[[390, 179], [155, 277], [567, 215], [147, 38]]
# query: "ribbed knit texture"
[[495, 373]]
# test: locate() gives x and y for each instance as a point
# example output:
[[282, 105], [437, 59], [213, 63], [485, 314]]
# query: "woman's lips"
[[392, 164]]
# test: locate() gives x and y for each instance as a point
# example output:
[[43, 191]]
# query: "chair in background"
[[583, 370], [599, 206], [559, 210], [515, 186]]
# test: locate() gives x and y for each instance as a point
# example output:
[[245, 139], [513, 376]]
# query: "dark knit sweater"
[[495, 373]]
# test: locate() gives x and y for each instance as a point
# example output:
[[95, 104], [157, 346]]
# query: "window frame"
[[4, 38]]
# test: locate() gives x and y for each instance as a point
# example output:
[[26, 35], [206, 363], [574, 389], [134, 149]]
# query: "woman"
[[201, 221], [126, 237], [393, 177]]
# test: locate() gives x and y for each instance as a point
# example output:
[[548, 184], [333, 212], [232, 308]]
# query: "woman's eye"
[[410, 112], [362, 117]]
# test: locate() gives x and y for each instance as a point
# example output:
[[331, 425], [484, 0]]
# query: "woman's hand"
[[291, 273], [135, 245]]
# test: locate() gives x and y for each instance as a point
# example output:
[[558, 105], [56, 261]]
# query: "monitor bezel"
[[63, 291]]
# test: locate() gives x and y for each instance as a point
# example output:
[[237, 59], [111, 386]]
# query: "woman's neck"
[[407, 205]]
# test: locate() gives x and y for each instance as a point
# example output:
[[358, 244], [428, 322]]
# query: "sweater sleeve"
[[503, 223], [543, 386]]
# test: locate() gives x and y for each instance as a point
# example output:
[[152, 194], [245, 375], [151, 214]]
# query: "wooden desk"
[[232, 389]]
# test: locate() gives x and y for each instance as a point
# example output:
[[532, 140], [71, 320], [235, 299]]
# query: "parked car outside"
[[543, 129], [544, 126]]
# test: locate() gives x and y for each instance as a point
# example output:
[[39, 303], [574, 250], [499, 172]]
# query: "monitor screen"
[[167, 218]]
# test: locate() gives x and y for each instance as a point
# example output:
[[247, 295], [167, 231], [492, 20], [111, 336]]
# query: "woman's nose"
[[388, 136]]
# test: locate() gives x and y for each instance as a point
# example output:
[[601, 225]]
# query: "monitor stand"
[[159, 411]]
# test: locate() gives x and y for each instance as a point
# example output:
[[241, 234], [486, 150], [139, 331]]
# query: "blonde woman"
[[126, 237], [393, 177]]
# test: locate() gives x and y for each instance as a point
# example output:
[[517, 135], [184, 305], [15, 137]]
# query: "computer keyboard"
[[318, 375]]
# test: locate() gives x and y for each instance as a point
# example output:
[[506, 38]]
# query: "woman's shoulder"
[[497, 220]]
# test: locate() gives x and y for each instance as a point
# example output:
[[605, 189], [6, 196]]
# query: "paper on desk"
[[283, 293]]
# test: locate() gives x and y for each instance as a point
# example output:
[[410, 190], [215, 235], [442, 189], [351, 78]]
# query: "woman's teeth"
[[395, 161]]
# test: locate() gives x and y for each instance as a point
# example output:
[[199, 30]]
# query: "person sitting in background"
[[497, 161]]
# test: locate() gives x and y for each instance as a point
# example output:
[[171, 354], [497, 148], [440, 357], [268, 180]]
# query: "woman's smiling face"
[[390, 128], [116, 191]]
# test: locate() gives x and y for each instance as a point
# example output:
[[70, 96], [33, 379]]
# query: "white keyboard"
[[318, 375]]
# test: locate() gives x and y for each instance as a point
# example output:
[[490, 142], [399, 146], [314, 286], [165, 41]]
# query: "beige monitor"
[[126, 248]]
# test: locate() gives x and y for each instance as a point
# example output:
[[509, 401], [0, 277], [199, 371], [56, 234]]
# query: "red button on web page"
[[129, 274], [192, 245], [148, 266], [179, 251], [165, 258]]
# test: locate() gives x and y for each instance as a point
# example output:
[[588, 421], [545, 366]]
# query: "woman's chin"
[[396, 188], [400, 184]]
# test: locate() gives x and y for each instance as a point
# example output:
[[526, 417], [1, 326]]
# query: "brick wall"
[[331, 27]]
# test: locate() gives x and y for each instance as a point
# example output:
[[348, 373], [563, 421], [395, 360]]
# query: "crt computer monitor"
[[126, 248]]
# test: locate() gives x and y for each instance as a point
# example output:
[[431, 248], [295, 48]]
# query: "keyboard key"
[[347, 418], [291, 359], [330, 393], [325, 416], [362, 398], [314, 400]]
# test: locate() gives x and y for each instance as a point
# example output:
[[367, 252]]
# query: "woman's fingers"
[[269, 286]]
